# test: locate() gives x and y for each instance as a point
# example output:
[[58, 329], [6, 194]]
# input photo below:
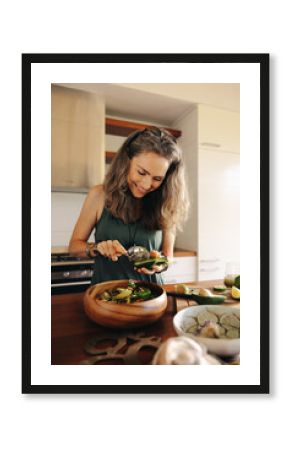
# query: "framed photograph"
[[118, 149]]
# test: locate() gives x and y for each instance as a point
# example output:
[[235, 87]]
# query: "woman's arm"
[[168, 243], [89, 215]]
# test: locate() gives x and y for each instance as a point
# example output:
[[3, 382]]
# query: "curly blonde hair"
[[164, 208]]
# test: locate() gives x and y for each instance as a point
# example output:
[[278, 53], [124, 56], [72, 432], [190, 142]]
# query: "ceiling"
[[161, 103]]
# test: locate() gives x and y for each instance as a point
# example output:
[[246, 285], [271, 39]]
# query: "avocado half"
[[210, 300]]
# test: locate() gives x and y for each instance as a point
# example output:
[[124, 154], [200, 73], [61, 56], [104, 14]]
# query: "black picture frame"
[[263, 61]]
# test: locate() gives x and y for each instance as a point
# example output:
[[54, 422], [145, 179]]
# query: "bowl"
[[185, 318], [123, 315]]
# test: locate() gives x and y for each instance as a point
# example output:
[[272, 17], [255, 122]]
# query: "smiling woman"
[[143, 201], [141, 176]]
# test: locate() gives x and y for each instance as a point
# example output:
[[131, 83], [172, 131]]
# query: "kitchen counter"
[[71, 330], [177, 251]]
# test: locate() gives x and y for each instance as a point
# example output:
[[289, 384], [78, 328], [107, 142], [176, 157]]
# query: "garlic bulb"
[[182, 350]]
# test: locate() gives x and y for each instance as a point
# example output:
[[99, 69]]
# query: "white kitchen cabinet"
[[211, 145], [218, 129], [218, 190], [219, 212], [182, 270]]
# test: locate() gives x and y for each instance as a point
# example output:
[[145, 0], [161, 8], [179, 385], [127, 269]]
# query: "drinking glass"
[[232, 270]]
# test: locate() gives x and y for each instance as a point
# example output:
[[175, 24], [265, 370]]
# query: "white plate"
[[221, 347]]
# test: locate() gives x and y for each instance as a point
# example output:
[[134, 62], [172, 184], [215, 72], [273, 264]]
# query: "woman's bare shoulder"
[[97, 192], [96, 199]]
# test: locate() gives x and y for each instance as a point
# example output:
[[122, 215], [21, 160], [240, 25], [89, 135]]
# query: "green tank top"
[[111, 228]]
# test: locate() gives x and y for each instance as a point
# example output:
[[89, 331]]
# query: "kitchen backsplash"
[[65, 209]]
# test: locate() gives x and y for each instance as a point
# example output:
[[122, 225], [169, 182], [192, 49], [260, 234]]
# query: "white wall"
[[65, 209]]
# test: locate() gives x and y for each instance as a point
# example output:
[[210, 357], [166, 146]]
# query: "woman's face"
[[146, 173]]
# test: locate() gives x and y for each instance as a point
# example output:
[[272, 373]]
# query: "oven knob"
[[66, 274]]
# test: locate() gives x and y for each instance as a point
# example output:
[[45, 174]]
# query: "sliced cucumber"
[[220, 288]]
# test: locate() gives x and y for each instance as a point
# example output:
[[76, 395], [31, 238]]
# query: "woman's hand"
[[111, 249], [158, 268], [155, 269]]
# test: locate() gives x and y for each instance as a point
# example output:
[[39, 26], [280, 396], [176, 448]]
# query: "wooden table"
[[71, 329]]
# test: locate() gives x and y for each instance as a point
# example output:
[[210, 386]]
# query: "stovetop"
[[66, 258], [70, 273]]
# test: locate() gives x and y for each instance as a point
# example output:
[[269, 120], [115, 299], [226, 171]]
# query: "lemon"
[[235, 293]]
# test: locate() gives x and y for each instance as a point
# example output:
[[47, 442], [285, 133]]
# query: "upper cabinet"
[[77, 139], [218, 129]]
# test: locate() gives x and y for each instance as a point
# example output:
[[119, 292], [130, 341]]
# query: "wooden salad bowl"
[[123, 315]]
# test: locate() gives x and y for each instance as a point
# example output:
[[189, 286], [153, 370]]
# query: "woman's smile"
[[141, 190], [146, 173]]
